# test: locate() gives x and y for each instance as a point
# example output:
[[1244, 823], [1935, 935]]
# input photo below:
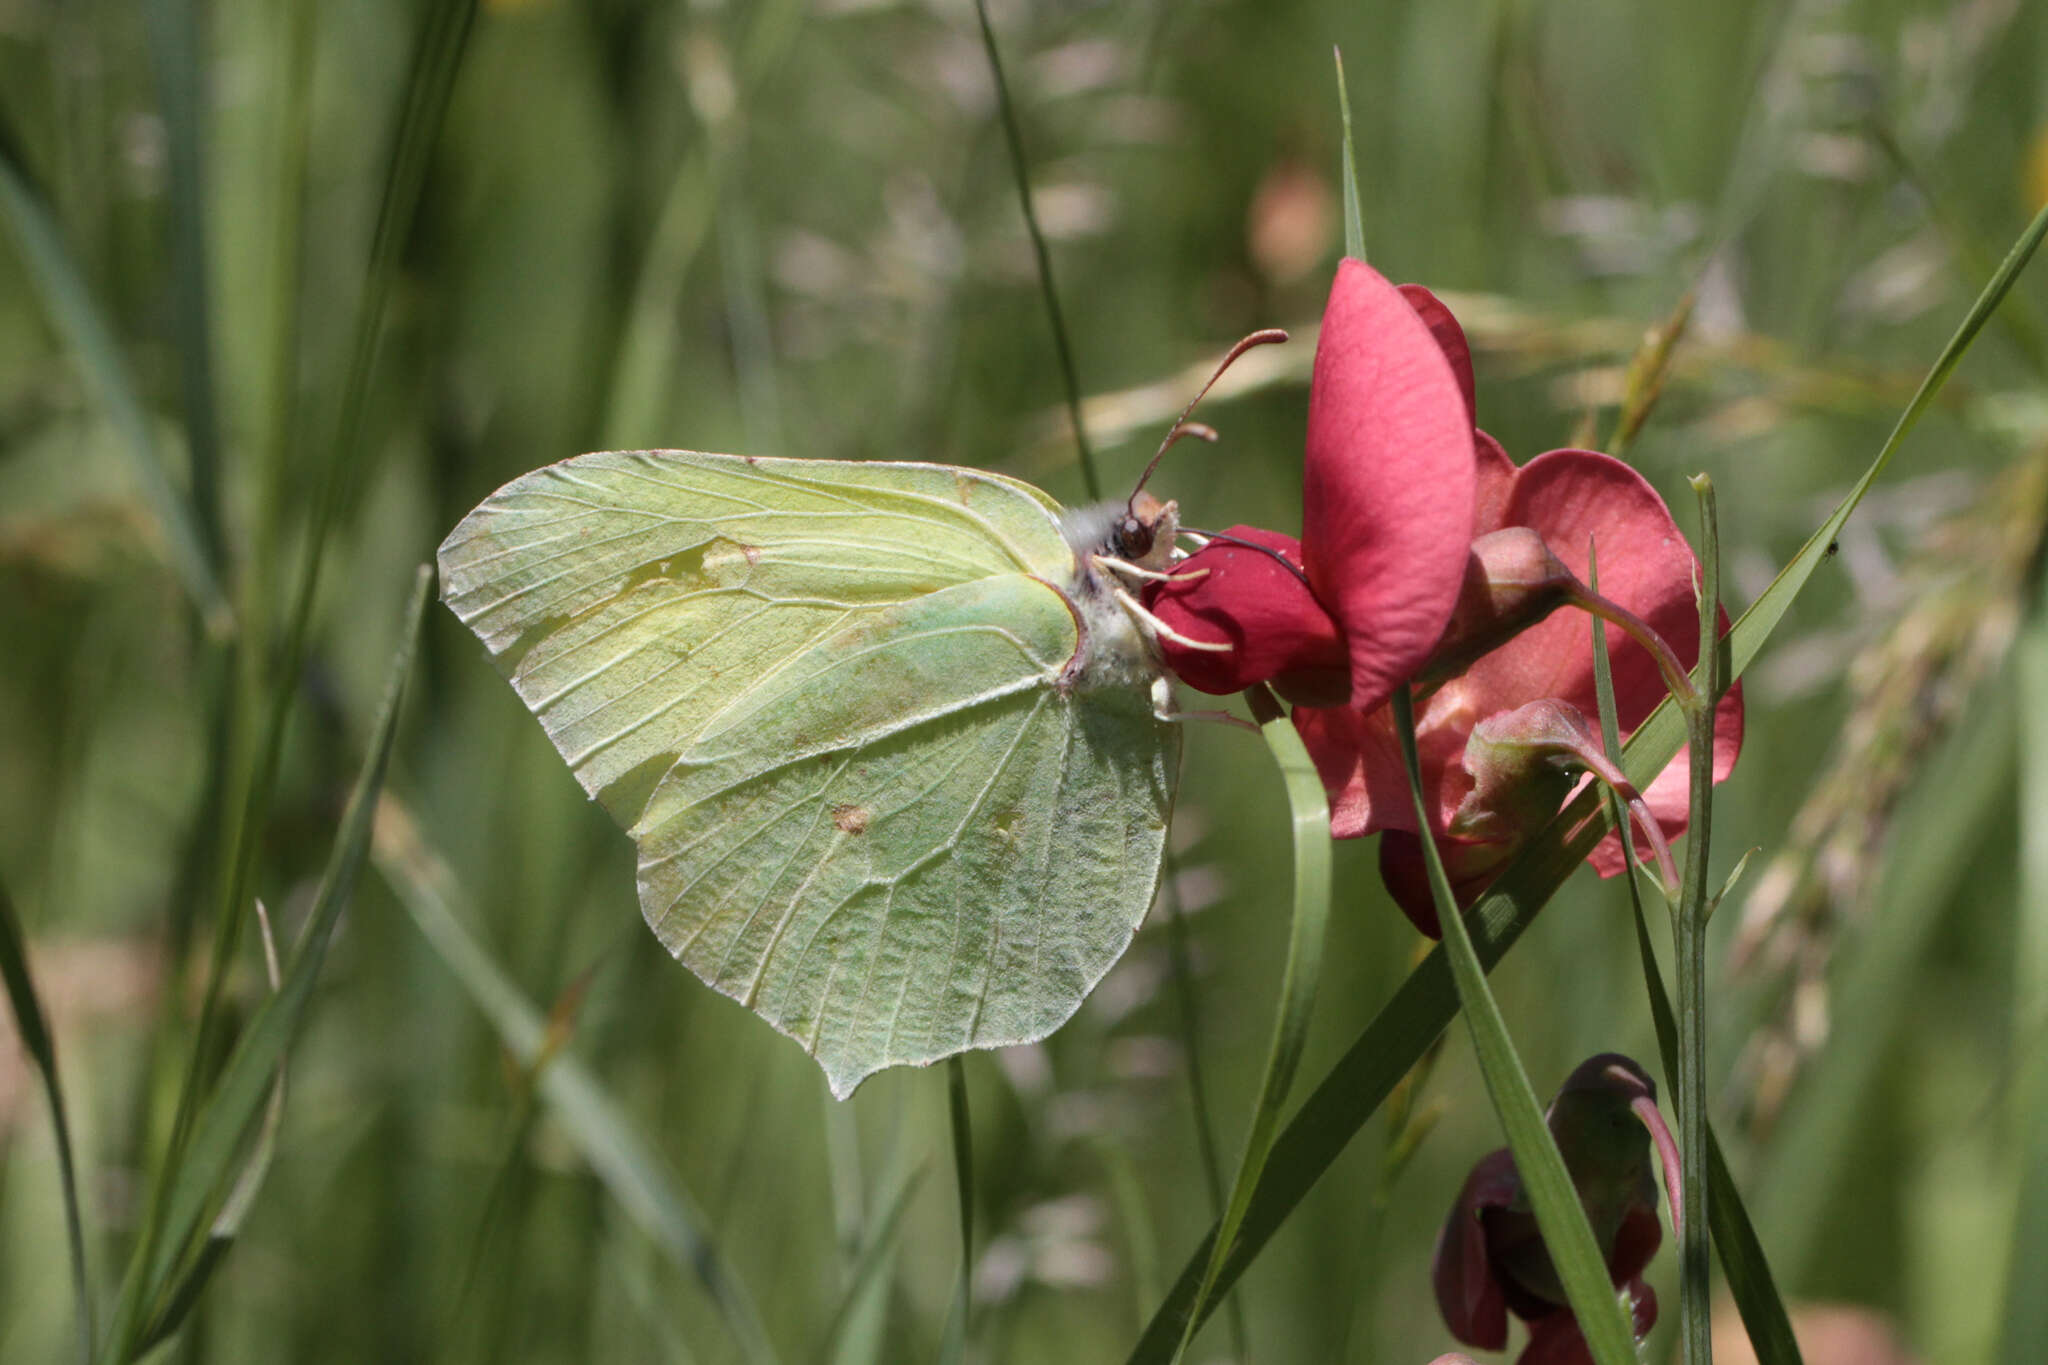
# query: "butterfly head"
[[1144, 533]]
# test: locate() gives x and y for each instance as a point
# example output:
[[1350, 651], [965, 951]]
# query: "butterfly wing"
[[823, 698]]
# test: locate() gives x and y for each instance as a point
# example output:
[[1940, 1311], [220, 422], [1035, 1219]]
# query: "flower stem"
[[1675, 677], [1689, 933]]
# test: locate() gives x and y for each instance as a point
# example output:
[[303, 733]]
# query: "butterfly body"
[[885, 738]]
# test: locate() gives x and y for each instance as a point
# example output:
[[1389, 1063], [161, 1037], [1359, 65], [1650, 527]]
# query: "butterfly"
[[892, 739]]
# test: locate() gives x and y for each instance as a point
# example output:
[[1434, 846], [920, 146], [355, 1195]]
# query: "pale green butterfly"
[[892, 738]]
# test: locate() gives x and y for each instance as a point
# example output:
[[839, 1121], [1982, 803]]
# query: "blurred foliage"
[[792, 229]]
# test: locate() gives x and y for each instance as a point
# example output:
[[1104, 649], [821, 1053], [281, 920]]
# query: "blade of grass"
[[1566, 1233], [870, 1269], [2023, 1334], [1426, 1002], [953, 1344], [1187, 1018], [227, 1224], [79, 320], [1020, 168], [177, 61], [428, 87], [1309, 822], [1354, 210], [1743, 1263], [193, 1183], [630, 1170], [34, 1030]]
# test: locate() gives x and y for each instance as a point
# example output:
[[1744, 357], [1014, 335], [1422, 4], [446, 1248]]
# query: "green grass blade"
[[1566, 1233], [1743, 1263], [177, 59], [1424, 1005], [630, 1170], [870, 1270], [1309, 820], [1354, 211], [227, 1224], [1020, 169], [953, 1344], [431, 82], [2023, 1335], [79, 321], [195, 1181], [34, 1030], [1187, 1019]]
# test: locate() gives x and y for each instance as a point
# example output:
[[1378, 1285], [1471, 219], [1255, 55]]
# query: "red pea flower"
[[1571, 499], [1427, 555], [1490, 1258]]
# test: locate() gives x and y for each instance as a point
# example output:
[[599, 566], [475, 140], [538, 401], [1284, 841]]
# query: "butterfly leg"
[[1160, 629]]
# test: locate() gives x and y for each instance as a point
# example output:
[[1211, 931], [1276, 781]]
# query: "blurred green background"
[[793, 229]]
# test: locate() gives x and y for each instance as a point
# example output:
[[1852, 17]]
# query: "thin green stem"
[[953, 1348], [1019, 168], [1689, 931]]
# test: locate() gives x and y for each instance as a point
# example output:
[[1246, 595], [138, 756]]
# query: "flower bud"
[[1512, 581]]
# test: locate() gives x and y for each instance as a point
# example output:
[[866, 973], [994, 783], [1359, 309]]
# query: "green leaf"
[[34, 1029], [1426, 1002], [196, 1182], [1540, 1166], [1309, 819], [630, 1170], [77, 317]]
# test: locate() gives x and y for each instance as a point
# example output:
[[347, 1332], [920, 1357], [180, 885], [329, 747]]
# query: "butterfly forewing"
[[824, 697]]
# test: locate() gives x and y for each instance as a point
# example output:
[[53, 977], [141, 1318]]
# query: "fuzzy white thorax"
[[1116, 651]]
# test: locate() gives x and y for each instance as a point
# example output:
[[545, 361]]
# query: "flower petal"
[[1467, 1292], [1450, 339], [1573, 498], [1388, 487], [1243, 597]]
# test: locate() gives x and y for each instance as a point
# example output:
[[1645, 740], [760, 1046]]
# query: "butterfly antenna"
[[1181, 426], [1282, 560]]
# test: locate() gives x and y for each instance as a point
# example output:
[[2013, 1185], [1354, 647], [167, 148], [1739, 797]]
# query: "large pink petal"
[[1387, 492], [1573, 499], [1450, 339]]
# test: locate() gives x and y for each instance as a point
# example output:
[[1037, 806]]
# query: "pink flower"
[[1571, 499], [1490, 1258], [1387, 491], [1426, 555]]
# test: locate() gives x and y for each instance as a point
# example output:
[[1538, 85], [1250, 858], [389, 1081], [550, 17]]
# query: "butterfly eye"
[[1133, 538]]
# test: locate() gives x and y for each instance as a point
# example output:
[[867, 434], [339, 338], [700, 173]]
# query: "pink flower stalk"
[[1490, 1258], [1427, 555]]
